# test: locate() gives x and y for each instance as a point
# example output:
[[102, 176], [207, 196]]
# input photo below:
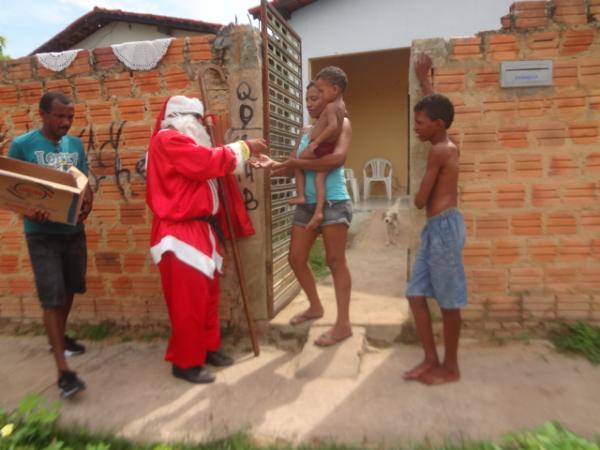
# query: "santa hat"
[[178, 104]]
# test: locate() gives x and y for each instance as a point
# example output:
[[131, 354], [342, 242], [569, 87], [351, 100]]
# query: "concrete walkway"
[[131, 392], [351, 393]]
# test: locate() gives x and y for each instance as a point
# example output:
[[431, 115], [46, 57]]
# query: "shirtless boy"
[[331, 83], [438, 271]]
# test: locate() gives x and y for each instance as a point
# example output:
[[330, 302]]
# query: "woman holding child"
[[337, 215]]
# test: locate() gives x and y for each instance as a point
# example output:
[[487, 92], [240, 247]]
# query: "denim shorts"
[[439, 271], [59, 263], [334, 212]]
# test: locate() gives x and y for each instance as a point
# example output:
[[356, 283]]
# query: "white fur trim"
[[214, 189], [189, 255], [241, 155], [180, 104]]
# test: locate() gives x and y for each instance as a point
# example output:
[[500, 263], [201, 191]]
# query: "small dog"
[[391, 217]]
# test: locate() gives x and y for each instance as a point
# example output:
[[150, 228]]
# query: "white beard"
[[188, 125]]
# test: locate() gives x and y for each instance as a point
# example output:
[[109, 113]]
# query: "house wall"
[[529, 166], [338, 27], [377, 99], [115, 110], [119, 32]]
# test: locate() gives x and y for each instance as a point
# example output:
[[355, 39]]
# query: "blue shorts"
[[439, 271]]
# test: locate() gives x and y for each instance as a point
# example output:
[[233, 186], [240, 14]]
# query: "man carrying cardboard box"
[[57, 251]]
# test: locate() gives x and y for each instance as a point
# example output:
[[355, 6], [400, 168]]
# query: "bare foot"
[[418, 371], [300, 200], [316, 220], [439, 375], [309, 314]]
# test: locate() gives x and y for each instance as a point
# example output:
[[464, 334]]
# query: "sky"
[[27, 24]]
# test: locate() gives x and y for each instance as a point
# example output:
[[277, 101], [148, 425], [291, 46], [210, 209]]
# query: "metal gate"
[[282, 93]]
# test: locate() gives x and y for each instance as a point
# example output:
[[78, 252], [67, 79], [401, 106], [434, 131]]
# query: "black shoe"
[[218, 359], [196, 374], [72, 347], [69, 384]]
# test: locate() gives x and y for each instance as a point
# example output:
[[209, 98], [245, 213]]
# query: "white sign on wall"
[[526, 73]]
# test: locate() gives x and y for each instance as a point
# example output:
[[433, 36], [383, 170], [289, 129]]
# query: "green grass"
[[579, 338], [33, 426], [317, 260]]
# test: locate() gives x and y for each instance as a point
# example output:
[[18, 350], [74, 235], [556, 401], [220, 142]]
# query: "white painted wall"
[[337, 27], [120, 32]]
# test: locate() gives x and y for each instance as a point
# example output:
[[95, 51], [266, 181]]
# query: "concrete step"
[[385, 319], [341, 360]]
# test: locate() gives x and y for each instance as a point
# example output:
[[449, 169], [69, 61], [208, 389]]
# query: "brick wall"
[[115, 111], [530, 165]]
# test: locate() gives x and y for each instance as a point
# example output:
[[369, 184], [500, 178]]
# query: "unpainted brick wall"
[[530, 165], [115, 110]]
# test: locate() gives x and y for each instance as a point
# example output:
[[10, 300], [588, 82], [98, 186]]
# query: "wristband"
[[245, 150]]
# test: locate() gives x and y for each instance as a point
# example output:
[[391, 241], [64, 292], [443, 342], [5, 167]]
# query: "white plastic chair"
[[378, 168], [350, 178]]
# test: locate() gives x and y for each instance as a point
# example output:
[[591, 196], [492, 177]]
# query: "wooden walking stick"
[[223, 189]]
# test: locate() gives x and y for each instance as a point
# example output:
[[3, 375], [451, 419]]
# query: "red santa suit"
[[182, 192]]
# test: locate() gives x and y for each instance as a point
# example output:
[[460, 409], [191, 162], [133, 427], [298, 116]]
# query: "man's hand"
[[423, 65], [257, 146], [86, 205], [37, 215]]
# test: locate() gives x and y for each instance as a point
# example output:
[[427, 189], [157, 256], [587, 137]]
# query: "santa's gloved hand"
[[256, 146]]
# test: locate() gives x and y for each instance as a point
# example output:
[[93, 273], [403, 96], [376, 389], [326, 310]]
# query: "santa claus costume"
[[182, 192]]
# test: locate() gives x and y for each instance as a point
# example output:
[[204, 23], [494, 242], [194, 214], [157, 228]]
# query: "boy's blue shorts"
[[439, 271]]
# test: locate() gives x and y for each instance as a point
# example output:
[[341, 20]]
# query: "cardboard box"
[[25, 186]]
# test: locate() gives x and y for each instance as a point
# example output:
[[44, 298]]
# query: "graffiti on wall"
[[107, 156], [246, 101]]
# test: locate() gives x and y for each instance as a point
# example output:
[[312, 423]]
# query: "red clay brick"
[[19, 69], [590, 221], [510, 195], [574, 249], [81, 64], [476, 197], [176, 79], [580, 193], [528, 279], [570, 12], [487, 280], [561, 223], [563, 165], [506, 251], [87, 88], [131, 110], [108, 262], [526, 224], [8, 95], [542, 249], [514, 136], [583, 132], [546, 194], [61, 86], [148, 82], [576, 41], [174, 54], [104, 58], [200, 47], [494, 167], [31, 92], [494, 225], [118, 85], [565, 73], [528, 165]]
